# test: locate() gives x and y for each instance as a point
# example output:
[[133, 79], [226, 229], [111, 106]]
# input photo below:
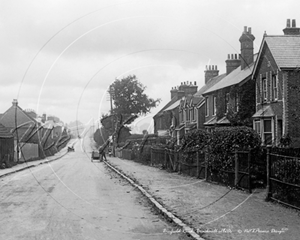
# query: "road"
[[74, 198]]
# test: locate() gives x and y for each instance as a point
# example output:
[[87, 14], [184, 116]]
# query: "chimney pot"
[[213, 67], [245, 29], [288, 23], [236, 57], [15, 102], [294, 23], [249, 30], [232, 56], [195, 83], [216, 68], [228, 56]]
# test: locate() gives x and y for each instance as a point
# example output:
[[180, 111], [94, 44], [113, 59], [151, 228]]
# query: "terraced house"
[[277, 79], [231, 101]]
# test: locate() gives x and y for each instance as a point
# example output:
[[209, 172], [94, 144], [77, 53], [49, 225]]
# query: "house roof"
[[235, 77], [265, 111], [285, 50], [160, 112], [211, 121], [4, 132], [211, 82], [223, 120], [173, 106]]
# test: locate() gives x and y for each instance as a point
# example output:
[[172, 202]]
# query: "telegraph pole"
[[111, 92]]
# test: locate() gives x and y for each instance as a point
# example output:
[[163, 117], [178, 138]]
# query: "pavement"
[[203, 210], [209, 210]]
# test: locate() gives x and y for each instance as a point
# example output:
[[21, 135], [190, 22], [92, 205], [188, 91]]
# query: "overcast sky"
[[59, 56]]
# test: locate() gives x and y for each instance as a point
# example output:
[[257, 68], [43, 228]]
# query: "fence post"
[[151, 156], [269, 187], [206, 168], [236, 168], [165, 151], [197, 175], [249, 172]]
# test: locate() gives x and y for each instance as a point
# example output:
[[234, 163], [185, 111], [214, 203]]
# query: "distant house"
[[277, 79], [231, 101], [6, 147], [167, 121], [26, 131], [192, 107]]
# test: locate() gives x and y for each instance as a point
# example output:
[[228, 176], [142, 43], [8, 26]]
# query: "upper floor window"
[[187, 114], [226, 102], [206, 106], [236, 102], [214, 110], [264, 90], [192, 114], [275, 87]]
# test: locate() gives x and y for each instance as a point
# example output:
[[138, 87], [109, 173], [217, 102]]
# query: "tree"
[[129, 97], [130, 101]]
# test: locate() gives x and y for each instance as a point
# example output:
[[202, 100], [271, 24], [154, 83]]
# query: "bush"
[[223, 143], [195, 140]]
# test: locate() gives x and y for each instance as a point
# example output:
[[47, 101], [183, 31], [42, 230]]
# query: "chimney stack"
[[291, 30], [232, 63], [246, 41], [15, 102], [210, 72]]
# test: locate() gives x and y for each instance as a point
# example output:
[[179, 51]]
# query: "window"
[[192, 114], [264, 89], [181, 116], [214, 106], [236, 102], [257, 126], [267, 134], [206, 106], [275, 87], [187, 115], [226, 102]]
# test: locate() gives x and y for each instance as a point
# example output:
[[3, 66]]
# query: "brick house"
[[33, 138], [167, 120], [192, 108], [231, 101], [277, 79], [6, 147]]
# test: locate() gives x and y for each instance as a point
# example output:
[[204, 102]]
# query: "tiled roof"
[[4, 132], [174, 105], [211, 82], [211, 121], [265, 111], [235, 77], [160, 112], [285, 50], [223, 120]]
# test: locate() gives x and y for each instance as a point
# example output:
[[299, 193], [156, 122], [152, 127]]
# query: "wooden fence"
[[195, 164], [283, 179]]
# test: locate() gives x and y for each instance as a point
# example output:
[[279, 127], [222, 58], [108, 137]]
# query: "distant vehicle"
[[71, 149], [95, 155]]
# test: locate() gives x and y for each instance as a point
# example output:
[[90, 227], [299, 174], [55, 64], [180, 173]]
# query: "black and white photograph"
[[149, 120]]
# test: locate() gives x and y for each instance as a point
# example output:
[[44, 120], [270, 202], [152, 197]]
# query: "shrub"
[[223, 143], [195, 140]]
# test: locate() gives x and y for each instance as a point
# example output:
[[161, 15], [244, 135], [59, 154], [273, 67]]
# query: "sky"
[[59, 56]]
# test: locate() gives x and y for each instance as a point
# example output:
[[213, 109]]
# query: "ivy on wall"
[[246, 104]]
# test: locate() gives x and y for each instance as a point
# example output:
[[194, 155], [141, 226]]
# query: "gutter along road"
[[74, 198]]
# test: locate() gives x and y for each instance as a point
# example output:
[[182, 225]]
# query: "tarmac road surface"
[[74, 198]]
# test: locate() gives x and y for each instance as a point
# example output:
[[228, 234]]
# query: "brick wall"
[[293, 88]]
